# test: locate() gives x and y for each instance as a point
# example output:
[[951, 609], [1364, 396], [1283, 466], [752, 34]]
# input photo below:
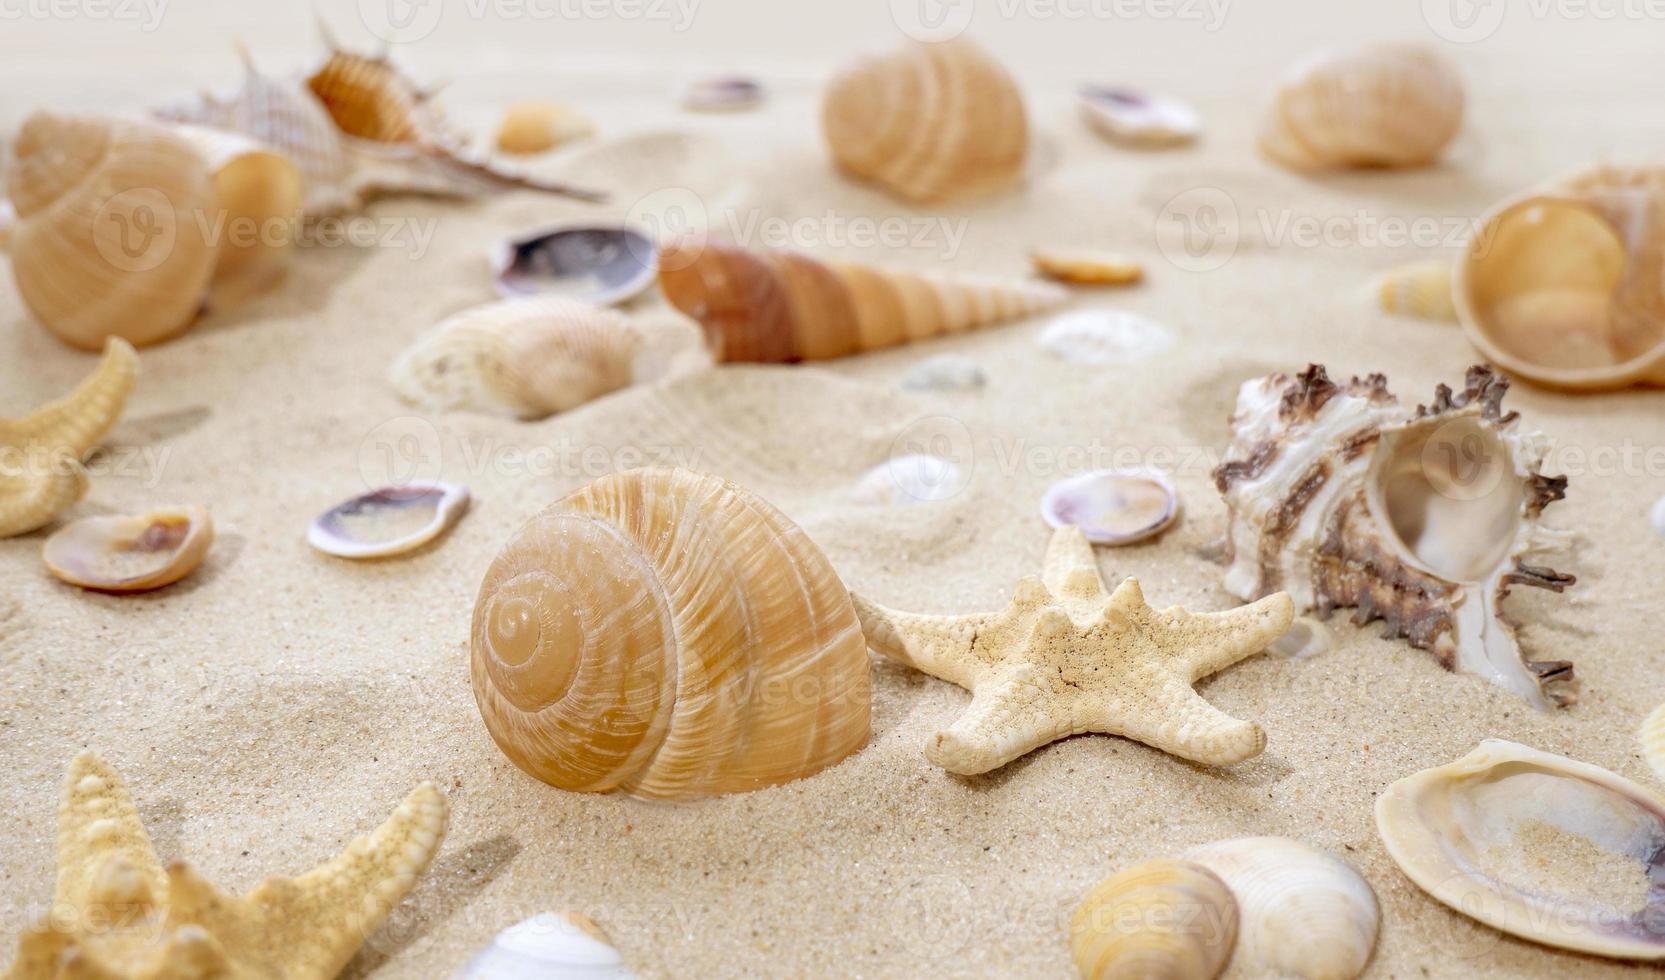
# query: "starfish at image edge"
[[1067, 657]]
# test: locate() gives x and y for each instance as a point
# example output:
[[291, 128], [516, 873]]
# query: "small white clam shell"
[[1303, 912], [1113, 506], [548, 947], [1657, 515], [914, 478], [601, 264], [121, 553], [721, 93], [1306, 637], [945, 372], [390, 521], [1100, 337], [1125, 115]]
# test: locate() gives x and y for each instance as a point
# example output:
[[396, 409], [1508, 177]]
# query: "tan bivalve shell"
[[1380, 105], [1423, 518], [1565, 286], [930, 122], [389, 522], [668, 634], [1303, 913], [1084, 267], [782, 306], [536, 127], [1418, 289], [136, 553], [1171, 920], [524, 358], [109, 240], [1542, 847]]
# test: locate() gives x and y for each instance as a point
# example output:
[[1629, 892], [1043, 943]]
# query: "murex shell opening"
[[1343, 497]]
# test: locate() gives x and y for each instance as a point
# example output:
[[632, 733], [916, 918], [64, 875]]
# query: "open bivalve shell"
[[1113, 507], [602, 264], [390, 521], [1565, 286], [1542, 847], [130, 553], [1343, 497]]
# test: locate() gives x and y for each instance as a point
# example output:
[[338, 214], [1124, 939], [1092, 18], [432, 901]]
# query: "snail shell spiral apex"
[[668, 634]]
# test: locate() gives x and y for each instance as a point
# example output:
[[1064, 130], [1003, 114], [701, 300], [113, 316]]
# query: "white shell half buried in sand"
[[1171, 920], [1102, 337], [1302, 912], [915, 478], [547, 946], [1540, 846], [130, 554], [602, 264], [1125, 115], [1656, 516], [1306, 637], [1113, 506], [390, 521], [945, 372]]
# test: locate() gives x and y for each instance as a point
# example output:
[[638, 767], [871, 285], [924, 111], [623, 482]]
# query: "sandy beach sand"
[[279, 702]]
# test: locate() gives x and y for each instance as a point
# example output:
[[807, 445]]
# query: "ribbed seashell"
[[782, 306], [1380, 105], [1302, 912], [1652, 738], [1113, 507], [568, 946], [259, 195], [109, 240], [1565, 285], [930, 122], [537, 127], [1124, 115], [525, 358], [137, 553], [1082, 267], [668, 634], [1552, 850], [1171, 920], [389, 522], [1423, 518], [48, 445], [1419, 289]]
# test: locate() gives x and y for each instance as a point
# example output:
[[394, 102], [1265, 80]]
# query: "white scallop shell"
[[1100, 337], [548, 947], [390, 521], [1113, 506]]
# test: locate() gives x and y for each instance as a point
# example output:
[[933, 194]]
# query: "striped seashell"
[[1652, 737], [1166, 919], [929, 122], [668, 634], [781, 306], [526, 358], [1419, 289]]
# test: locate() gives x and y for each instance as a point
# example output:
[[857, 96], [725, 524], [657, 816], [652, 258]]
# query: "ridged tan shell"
[[668, 634], [1419, 289], [1652, 738], [1565, 285], [1168, 920], [258, 194], [534, 127], [1303, 913], [526, 358], [930, 122], [108, 241], [1380, 105], [139, 553], [1540, 846], [780, 306]]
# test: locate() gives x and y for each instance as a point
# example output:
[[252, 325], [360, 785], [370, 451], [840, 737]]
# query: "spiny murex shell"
[[136, 553], [1380, 105], [779, 306], [526, 358], [1565, 286], [929, 122], [1303, 912], [568, 946], [1163, 919], [1343, 497], [668, 634], [1540, 846]]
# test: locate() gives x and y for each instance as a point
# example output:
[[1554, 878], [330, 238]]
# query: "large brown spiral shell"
[[668, 634]]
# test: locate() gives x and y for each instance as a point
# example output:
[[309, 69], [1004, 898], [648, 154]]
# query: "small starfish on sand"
[[117, 914], [41, 453], [1066, 657]]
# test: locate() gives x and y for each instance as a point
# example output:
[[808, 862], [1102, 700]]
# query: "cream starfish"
[[1066, 657], [41, 453], [118, 915]]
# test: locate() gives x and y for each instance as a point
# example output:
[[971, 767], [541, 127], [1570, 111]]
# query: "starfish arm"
[[937, 645], [1070, 568], [323, 916], [1007, 718], [30, 500], [80, 419], [1211, 642], [1177, 720], [104, 854]]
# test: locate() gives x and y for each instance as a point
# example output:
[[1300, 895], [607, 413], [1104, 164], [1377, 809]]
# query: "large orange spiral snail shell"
[[668, 634]]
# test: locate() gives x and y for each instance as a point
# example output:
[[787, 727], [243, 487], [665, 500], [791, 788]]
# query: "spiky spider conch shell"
[[1344, 498], [929, 122], [1379, 105], [1565, 285], [119, 914], [50, 443], [783, 306], [527, 358], [667, 634]]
